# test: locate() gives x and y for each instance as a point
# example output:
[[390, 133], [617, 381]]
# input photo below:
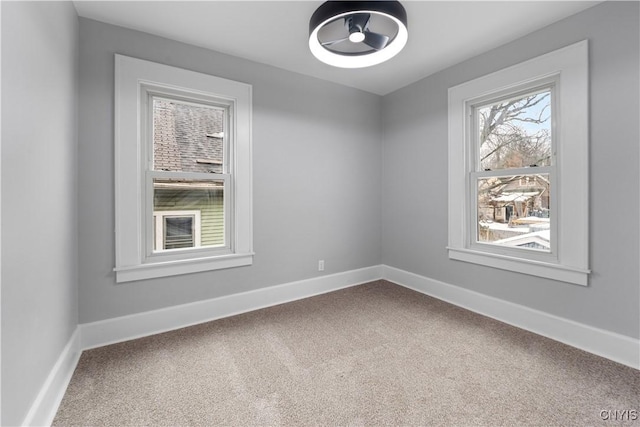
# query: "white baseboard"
[[616, 347], [97, 334], [44, 408], [607, 344]]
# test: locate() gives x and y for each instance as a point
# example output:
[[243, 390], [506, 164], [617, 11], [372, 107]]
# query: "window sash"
[[156, 92], [186, 253], [472, 241], [473, 134]]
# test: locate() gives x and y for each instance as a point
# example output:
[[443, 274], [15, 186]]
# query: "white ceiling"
[[441, 33]]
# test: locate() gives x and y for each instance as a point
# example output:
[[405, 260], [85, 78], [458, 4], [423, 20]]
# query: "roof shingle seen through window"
[[185, 137]]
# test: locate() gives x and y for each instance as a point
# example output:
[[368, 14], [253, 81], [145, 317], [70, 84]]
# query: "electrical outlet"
[[321, 265]]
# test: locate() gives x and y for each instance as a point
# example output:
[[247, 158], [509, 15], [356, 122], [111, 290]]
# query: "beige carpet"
[[376, 354]]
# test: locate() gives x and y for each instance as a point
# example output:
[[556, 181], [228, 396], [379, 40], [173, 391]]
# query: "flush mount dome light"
[[356, 34]]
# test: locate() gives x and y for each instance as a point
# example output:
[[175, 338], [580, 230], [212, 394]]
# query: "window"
[[518, 167], [183, 171], [176, 230], [512, 143]]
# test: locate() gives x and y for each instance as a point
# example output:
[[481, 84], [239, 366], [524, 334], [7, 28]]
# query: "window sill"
[[177, 267], [547, 270]]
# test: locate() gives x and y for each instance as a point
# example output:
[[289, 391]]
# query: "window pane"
[[515, 133], [191, 213], [186, 137], [514, 211], [179, 232]]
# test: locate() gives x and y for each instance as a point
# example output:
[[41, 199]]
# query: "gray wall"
[[414, 220], [316, 176], [326, 184], [39, 196]]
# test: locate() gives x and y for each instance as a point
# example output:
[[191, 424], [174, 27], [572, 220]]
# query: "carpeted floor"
[[375, 354]]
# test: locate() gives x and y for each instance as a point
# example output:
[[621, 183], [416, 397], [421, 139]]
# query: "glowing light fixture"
[[356, 34]]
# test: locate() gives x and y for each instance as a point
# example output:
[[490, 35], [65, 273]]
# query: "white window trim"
[[569, 68], [159, 225], [133, 78]]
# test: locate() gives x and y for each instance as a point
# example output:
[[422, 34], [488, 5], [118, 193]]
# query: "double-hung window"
[[183, 171], [518, 167], [512, 173]]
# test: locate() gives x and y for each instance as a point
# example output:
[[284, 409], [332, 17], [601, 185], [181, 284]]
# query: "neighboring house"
[[504, 199], [511, 210], [187, 138]]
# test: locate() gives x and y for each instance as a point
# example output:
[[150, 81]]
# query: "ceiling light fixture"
[[356, 34]]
